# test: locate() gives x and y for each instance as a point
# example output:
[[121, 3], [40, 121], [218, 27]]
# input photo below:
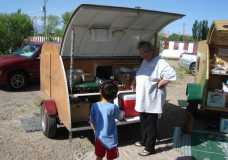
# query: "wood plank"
[[45, 66], [53, 73]]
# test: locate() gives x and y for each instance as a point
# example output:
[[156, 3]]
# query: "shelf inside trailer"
[[80, 126], [94, 94], [220, 74], [84, 94], [223, 109]]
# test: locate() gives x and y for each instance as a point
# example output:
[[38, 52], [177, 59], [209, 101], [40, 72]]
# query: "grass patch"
[[181, 72]]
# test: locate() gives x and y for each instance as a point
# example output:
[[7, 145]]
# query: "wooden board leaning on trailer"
[[53, 81], [217, 43]]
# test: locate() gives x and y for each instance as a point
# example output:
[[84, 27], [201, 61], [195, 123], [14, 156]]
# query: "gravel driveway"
[[16, 144]]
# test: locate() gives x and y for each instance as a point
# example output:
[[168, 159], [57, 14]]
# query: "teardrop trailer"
[[99, 43], [209, 92]]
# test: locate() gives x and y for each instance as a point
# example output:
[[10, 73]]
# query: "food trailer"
[[210, 89], [99, 43]]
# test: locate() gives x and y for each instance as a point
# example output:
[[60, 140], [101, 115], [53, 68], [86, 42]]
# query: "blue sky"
[[193, 9]]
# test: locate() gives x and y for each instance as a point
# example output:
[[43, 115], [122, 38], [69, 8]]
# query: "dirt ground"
[[16, 144]]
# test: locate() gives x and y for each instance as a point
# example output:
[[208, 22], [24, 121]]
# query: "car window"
[[27, 50]]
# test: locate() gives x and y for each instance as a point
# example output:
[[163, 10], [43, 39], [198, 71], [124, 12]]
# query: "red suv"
[[17, 69]]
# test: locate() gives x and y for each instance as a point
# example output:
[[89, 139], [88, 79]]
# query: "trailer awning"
[[111, 31]]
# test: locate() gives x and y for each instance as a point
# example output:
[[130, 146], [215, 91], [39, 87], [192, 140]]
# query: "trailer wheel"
[[193, 68], [49, 123]]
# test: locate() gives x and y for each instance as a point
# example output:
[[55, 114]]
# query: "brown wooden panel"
[[58, 86], [218, 33], [80, 112], [89, 65], [203, 54], [45, 74]]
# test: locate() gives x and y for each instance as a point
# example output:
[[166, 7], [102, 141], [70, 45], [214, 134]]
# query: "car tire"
[[48, 123], [17, 80], [193, 68]]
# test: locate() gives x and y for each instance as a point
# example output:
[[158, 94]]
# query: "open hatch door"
[[105, 31]]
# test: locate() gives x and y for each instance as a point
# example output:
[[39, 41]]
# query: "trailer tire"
[[193, 68], [49, 123]]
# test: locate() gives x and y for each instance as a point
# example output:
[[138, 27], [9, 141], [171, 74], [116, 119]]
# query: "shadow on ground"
[[32, 86], [173, 116]]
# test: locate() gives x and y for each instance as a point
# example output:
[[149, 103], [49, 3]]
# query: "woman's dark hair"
[[109, 90], [145, 46]]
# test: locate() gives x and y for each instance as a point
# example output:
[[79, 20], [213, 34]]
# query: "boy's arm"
[[119, 114], [92, 126], [91, 118]]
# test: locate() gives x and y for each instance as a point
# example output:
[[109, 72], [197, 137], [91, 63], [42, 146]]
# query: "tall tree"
[[205, 29], [66, 17], [52, 23], [200, 30], [14, 28], [194, 30]]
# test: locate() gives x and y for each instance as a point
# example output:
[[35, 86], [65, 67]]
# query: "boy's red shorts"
[[100, 151]]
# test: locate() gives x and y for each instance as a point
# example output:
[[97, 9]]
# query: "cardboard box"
[[224, 125], [215, 99]]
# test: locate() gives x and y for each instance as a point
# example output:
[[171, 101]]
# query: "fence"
[[42, 39], [183, 46], [173, 50]]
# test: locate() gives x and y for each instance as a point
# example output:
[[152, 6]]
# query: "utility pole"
[[44, 9], [184, 38], [34, 19]]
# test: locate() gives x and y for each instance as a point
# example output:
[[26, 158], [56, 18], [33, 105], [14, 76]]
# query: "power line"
[[44, 9]]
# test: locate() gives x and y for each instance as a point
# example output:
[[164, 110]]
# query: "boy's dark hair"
[[145, 45], [109, 90]]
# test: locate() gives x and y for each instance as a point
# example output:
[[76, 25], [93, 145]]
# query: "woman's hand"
[[162, 83]]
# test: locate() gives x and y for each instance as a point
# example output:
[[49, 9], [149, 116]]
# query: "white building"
[[173, 50]]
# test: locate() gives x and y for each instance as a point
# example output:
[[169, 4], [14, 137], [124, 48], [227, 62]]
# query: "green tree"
[[180, 37], [194, 30], [52, 23], [200, 30], [205, 29], [175, 37], [66, 17], [14, 28]]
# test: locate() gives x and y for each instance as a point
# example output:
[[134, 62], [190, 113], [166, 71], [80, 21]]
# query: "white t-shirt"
[[149, 98]]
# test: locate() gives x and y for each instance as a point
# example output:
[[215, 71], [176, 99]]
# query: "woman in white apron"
[[151, 79]]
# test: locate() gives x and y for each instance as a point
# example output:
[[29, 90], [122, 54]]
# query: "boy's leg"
[[112, 153], [99, 150]]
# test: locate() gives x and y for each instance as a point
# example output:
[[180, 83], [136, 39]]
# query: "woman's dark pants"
[[148, 123]]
